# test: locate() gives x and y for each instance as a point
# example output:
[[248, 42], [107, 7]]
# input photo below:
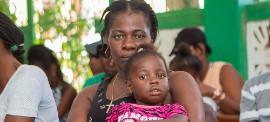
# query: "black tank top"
[[98, 108]]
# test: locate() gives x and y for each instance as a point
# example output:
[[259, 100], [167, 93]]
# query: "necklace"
[[113, 99]]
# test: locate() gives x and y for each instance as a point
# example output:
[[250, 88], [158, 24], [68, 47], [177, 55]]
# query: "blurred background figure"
[[26, 95], [100, 63], [185, 61], [63, 93], [220, 81]]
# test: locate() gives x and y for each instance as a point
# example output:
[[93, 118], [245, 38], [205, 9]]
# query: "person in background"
[[63, 93], [185, 61], [26, 95], [146, 75], [255, 99], [220, 80], [99, 60], [128, 25]]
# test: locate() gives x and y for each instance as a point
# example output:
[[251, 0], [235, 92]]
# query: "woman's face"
[[128, 31]]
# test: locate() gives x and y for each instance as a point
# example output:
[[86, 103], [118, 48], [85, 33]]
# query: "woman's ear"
[[128, 87]]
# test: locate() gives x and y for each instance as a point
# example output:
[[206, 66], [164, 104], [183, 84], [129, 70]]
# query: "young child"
[[146, 78]]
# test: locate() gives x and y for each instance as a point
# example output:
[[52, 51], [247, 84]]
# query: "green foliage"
[[52, 24], [5, 9]]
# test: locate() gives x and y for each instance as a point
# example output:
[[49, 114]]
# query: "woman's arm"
[[82, 104], [185, 91], [67, 98], [12, 118], [175, 118], [232, 84]]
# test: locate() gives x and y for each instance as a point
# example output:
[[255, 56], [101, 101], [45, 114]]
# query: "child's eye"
[[143, 77], [139, 36], [118, 37], [161, 76]]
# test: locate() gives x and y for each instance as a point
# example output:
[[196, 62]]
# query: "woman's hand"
[[206, 90]]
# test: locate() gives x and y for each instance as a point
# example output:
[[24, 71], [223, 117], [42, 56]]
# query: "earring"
[[106, 53]]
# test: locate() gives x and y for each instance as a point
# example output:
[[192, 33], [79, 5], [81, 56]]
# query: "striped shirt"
[[255, 100]]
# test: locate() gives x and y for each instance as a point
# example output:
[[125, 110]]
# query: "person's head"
[[196, 40], [11, 37], [146, 76], [127, 25], [185, 61], [110, 68], [94, 50], [44, 58]]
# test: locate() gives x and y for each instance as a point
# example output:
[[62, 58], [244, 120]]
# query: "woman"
[[25, 92], [219, 80], [63, 93], [128, 26]]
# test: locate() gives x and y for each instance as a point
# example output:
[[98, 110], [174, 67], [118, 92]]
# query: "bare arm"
[[175, 118], [82, 104], [12, 118], [232, 84], [185, 91], [67, 98]]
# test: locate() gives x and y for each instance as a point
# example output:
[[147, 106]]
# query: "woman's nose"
[[128, 44]]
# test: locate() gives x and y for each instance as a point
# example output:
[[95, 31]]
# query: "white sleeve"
[[25, 97]]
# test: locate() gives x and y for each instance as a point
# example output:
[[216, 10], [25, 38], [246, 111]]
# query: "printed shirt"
[[133, 112]]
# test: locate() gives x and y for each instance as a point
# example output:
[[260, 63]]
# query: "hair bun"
[[183, 50]]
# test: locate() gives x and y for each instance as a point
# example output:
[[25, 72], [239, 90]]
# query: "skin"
[[95, 65], [128, 31], [230, 79], [109, 67], [8, 66], [150, 73]]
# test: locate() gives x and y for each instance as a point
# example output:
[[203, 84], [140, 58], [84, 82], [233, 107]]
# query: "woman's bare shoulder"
[[89, 91]]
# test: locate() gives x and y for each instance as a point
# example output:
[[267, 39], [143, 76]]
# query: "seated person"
[[147, 79], [255, 99], [63, 93], [219, 79], [101, 65]]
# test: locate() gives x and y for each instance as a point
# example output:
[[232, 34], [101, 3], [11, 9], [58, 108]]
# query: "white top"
[[28, 94]]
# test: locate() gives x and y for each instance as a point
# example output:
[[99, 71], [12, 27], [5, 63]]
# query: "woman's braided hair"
[[11, 35], [133, 6]]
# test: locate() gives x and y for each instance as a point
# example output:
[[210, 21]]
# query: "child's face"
[[149, 81]]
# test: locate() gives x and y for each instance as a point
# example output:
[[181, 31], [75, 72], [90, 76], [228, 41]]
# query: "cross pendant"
[[109, 106]]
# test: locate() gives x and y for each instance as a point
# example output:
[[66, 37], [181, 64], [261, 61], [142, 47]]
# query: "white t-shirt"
[[28, 94]]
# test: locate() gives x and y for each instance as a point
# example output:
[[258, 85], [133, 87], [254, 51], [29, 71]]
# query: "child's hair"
[[191, 36], [39, 54], [140, 55], [185, 61], [132, 6], [11, 35]]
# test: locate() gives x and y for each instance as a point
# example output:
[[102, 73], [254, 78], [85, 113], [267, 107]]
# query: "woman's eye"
[[139, 36], [161, 76], [118, 37], [143, 77]]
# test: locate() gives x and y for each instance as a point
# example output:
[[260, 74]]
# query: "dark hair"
[[11, 35], [39, 54], [140, 55], [133, 6], [191, 36], [185, 61]]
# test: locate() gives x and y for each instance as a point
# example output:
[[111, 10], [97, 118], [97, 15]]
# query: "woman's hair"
[[192, 36], [138, 56], [39, 54], [11, 35], [132, 6], [185, 61]]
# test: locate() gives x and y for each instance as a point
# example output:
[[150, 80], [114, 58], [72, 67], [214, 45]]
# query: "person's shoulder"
[[179, 75], [32, 70], [89, 91], [259, 79]]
